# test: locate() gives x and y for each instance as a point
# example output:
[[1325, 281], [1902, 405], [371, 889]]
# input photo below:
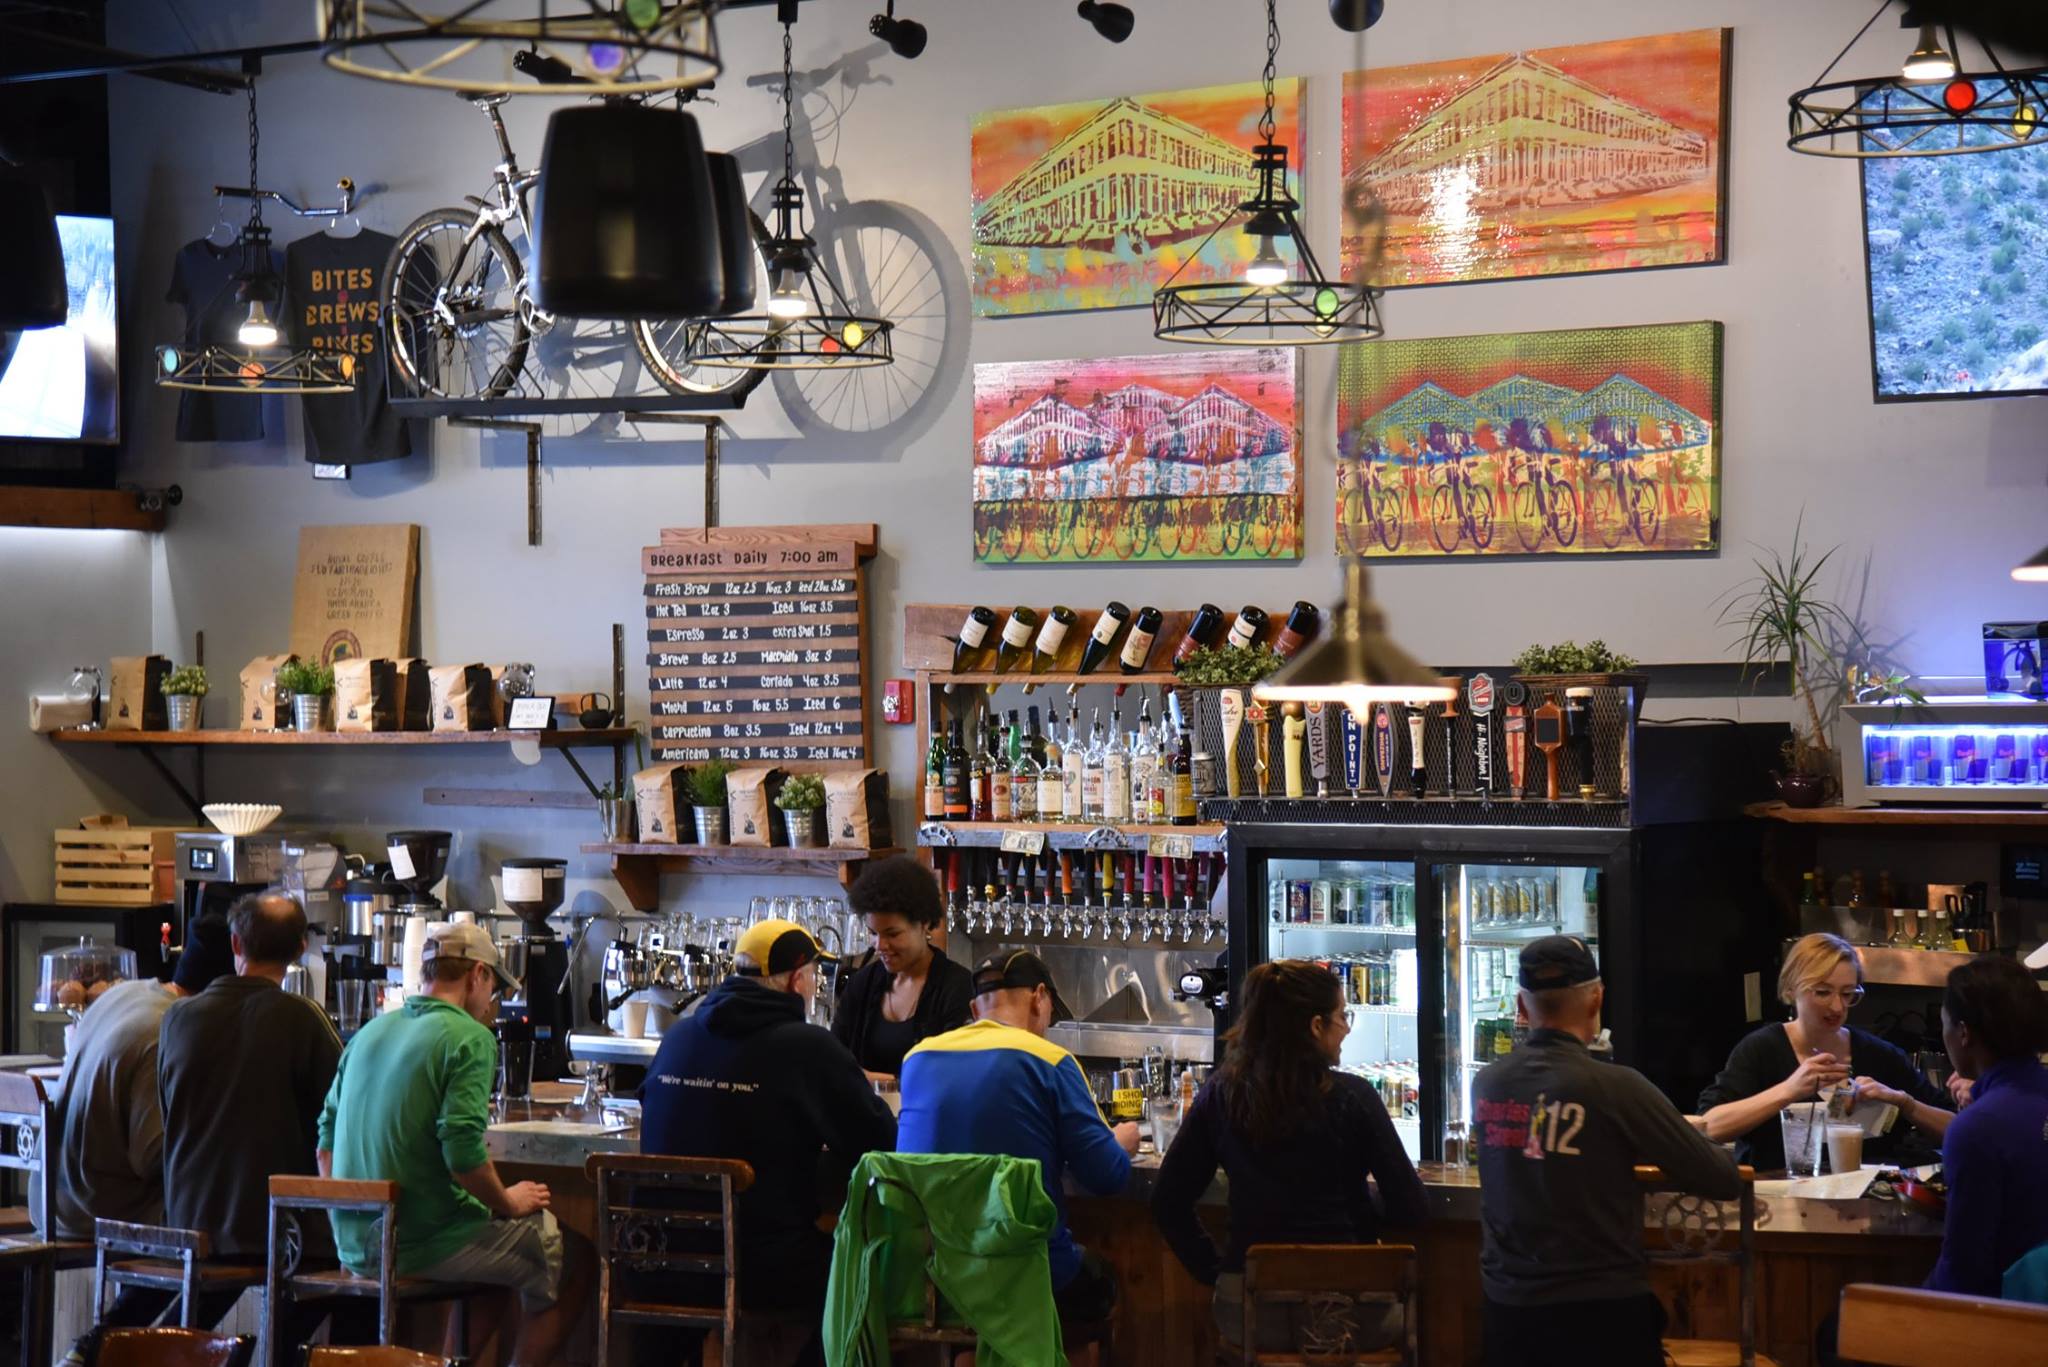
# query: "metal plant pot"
[[710, 825], [184, 710], [805, 831], [309, 712]]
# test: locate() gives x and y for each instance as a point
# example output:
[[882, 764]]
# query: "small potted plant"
[[1782, 617], [802, 799], [615, 800], [185, 696], [707, 799], [311, 685], [1592, 665]]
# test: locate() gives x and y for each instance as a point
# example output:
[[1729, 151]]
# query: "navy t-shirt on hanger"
[[203, 281]]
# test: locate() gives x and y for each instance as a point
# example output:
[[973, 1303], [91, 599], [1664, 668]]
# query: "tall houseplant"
[[1781, 615]]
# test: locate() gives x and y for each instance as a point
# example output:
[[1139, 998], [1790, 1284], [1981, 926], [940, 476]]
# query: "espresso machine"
[[537, 957], [214, 870]]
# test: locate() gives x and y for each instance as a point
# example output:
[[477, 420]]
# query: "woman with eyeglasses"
[[1779, 1065]]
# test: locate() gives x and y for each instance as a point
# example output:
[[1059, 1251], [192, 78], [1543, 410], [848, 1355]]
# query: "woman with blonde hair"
[[1778, 1065]]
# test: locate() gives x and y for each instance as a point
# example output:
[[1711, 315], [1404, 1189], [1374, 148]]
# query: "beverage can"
[[1297, 902], [1362, 985], [1320, 895], [1276, 901], [1380, 910], [1346, 911]]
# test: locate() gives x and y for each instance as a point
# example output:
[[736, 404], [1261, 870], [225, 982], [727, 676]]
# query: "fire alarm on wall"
[[899, 702]]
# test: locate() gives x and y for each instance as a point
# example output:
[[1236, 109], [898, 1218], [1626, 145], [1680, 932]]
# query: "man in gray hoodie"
[[1559, 1135]]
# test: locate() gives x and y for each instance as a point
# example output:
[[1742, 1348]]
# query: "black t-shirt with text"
[[334, 288]]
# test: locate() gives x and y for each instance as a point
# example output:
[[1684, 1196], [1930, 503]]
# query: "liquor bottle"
[[1808, 896], [977, 775], [1073, 768], [1034, 737], [1138, 645], [1116, 773], [1013, 739], [1024, 777], [1162, 772], [1202, 629], [935, 778], [1183, 781], [1091, 771], [1144, 760], [968, 645], [1015, 640], [1856, 902], [1101, 640], [955, 774], [1248, 628], [1051, 781], [1045, 651], [1000, 806], [1299, 629]]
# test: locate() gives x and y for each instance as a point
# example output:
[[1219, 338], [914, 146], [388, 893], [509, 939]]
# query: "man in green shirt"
[[410, 1103]]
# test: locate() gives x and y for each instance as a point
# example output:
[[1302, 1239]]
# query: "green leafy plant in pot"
[[1781, 616], [706, 784], [311, 685], [185, 696], [802, 800]]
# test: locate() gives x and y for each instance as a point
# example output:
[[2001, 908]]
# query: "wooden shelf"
[[1899, 816], [638, 867], [1052, 678], [1208, 837], [104, 509], [549, 740]]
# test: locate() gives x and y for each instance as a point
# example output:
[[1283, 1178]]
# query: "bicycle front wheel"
[[452, 302], [665, 343]]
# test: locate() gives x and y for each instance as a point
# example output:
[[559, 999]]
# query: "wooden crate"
[[131, 866]]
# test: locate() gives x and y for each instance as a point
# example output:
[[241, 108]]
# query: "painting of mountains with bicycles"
[[1586, 441], [1095, 204], [1190, 456]]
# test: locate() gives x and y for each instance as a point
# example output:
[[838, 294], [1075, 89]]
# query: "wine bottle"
[[1249, 627], [999, 796], [977, 776], [1116, 773], [1045, 651], [1101, 640], [1073, 767], [1015, 640], [1300, 628], [967, 646], [1202, 629], [1183, 769], [1138, 645], [935, 778], [954, 777]]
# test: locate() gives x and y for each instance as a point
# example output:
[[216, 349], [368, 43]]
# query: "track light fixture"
[[905, 37], [1356, 16], [1113, 22]]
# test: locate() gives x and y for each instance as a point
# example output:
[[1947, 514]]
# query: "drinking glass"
[[1164, 1113], [1457, 1153], [1805, 1129]]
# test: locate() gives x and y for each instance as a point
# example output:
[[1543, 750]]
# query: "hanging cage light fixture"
[[806, 322], [1270, 303], [603, 47], [1931, 108], [256, 363]]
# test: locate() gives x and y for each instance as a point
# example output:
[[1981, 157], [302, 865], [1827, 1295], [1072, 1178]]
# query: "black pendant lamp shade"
[[625, 220], [735, 235], [32, 293]]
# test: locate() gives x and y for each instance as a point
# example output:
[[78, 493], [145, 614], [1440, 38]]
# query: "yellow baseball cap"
[[777, 946]]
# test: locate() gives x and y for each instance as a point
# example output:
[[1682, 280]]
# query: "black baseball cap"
[[1557, 961], [1019, 968]]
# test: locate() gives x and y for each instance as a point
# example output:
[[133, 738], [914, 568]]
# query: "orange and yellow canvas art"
[[1556, 161], [1095, 204]]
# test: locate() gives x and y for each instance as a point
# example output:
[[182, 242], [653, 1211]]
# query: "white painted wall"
[[1931, 503]]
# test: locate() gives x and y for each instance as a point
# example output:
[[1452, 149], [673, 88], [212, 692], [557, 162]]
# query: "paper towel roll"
[[56, 712], [409, 955]]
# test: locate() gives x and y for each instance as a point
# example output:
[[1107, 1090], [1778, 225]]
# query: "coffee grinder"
[[540, 961], [418, 861]]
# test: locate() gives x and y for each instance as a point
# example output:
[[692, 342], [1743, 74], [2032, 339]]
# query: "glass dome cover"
[[76, 976]]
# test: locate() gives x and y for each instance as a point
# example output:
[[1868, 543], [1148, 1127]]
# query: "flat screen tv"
[[63, 383], [1956, 253]]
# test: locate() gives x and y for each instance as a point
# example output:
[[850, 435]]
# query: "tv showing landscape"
[[63, 383]]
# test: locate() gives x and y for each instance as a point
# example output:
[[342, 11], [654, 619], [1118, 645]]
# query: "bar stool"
[[1893, 1326], [171, 1348], [28, 1133], [166, 1259], [285, 1274], [1322, 1288], [664, 1215], [1694, 1229]]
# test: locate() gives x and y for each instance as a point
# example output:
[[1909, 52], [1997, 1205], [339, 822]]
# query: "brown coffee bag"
[[365, 695], [462, 697], [658, 801], [497, 697], [857, 809], [135, 693], [262, 708], [750, 806], [415, 696]]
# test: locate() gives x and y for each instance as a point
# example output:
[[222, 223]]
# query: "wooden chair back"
[[1329, 1283], [28, 1133], [1694, 1229], [168, 1247], [290, 1199], [1894, 1326], [667, 1221], [387, 1355], [172, 1348]]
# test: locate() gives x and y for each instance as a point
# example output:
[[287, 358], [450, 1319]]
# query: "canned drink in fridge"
[[1320, 895], [1362, 985], [1276, 901], [1346, 912], [1380, 908], [1297, 901], [1404, 904]]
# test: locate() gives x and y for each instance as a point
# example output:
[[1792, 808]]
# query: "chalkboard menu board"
[[754, 645]]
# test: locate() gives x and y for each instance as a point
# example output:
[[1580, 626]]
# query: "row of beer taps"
[[1076, 895]]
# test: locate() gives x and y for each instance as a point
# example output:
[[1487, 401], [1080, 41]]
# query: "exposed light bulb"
[[1930, 61], [787, 298], [1266, 269], [257, 329]]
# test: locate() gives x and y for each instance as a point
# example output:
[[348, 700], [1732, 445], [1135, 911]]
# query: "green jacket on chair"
[[989, 1217]]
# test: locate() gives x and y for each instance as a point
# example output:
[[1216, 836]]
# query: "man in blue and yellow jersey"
[[998, 1086]]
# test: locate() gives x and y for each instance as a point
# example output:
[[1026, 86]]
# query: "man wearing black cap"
[[999, 1086], [1559, 1134], [745, 1076]]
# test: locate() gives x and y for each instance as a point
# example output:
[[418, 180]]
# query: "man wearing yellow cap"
[[746, 1076]]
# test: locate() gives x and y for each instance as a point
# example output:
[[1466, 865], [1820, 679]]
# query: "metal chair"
[[665, 1216], [166, 1259], [286, 1276], [1893, 1326], [1694, 1229], [383, 1356], [1322, 1287], [171, 1348], [28, 1134]]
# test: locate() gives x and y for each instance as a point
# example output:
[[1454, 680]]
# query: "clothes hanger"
[[345, 224], [221, 225]]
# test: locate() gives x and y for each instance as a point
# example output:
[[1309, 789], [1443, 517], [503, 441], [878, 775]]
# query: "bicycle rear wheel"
[[453, 307]]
